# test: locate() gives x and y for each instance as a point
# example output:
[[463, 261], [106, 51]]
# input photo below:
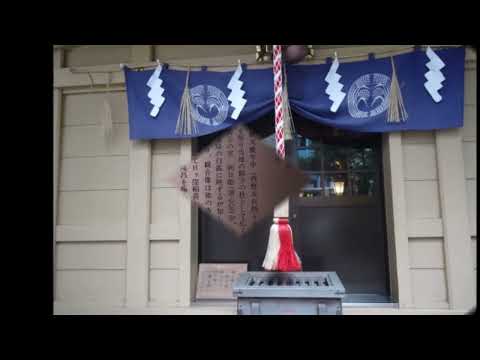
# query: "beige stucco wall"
[[93, 194]]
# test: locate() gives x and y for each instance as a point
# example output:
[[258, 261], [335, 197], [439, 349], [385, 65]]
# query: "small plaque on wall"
[[215, 281]]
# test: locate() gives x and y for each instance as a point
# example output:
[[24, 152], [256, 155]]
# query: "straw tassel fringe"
[[396, 109], [186, 125], [287, 112]]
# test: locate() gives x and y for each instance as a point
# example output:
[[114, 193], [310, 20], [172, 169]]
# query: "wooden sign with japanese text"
[[215, 281], [239, 180]]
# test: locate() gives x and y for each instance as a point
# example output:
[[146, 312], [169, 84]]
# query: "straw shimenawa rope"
[[186, 125], [396, 109]]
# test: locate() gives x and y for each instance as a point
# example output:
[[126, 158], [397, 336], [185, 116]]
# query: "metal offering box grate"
[[299, 293]]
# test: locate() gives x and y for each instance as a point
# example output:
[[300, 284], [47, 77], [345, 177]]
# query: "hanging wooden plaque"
[[238, 180]]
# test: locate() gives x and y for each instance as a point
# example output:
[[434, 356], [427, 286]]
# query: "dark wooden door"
[[338, 218]]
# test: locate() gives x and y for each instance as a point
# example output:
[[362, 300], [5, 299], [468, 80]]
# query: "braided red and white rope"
[[277, 86]]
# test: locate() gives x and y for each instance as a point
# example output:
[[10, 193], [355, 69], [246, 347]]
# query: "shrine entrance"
[[338, 218]]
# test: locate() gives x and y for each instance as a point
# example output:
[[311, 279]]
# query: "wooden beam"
[[57, 115], [66, 78], [230, 308], [397, 217], [138, 223], [96, 90], [194, 251], [72, 233], [425, 228], [457, 240], [58, 58], [188, 236], [139, 197], [164, 231]]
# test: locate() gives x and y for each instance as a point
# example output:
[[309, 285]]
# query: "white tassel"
[[271, 257]]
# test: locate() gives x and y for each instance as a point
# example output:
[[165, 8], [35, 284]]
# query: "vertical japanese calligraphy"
[[219, 179], [252, 174], [238, 180], [241, 178]]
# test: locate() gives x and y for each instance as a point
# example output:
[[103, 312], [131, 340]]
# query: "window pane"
[[364, 184], [361, 158], [370, 158], [336, 185], [339, 169], [309, 159], [335, 157], [313, 188], [301, 141], [356, 160]]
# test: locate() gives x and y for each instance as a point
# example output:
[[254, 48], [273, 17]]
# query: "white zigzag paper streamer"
[[434, 76], [155, 94], [236, 95], [334, 89]]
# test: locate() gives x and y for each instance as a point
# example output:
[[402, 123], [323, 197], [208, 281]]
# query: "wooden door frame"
[[396, 219]]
